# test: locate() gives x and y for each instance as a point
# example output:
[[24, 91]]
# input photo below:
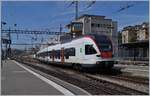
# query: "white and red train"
[[90, 51]]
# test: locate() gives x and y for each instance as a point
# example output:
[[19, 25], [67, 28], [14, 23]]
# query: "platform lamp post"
[[2, 56]]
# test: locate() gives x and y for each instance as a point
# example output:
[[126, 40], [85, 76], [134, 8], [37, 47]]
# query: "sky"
[[39, 15]]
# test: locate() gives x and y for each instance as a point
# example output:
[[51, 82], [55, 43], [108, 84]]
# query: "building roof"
[[136, 27], [73, 23], [88, 15], [138, 44]]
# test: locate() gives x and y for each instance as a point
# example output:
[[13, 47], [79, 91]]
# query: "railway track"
[[132, 86], [90, 84], [118, 75], [132, 79]]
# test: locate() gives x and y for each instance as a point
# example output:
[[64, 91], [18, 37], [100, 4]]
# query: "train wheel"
[[79, 67], [74, 66]]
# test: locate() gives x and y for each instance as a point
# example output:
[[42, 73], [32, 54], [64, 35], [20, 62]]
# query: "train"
[[87, 52]]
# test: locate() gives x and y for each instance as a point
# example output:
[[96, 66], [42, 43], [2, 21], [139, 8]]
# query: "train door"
[[79, 52], [62, 56]]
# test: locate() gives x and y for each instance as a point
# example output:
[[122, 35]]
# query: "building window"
[[92, 24], [96, 25]]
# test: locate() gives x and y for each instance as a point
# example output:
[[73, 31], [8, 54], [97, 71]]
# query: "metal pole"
[[60, 32], [2, 43], [76, 8], [9, 47], [1, 47]]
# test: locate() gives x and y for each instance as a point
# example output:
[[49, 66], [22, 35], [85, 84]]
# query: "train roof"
[[82, 36], [70, 40]]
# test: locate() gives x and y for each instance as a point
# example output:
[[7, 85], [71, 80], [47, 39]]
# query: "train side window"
[[71, 51], [67, 56], [49, 54], [58, 54], [66, 53], [89, 49], [46, 54], [55, 54]]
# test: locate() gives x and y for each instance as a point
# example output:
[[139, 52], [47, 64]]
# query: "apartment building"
[[143, 33], [129, 34], [135, 33], [135, 42]]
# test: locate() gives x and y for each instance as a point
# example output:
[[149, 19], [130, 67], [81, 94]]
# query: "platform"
[[18, 79]]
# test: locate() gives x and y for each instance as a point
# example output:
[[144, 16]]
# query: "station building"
[[135, 42]]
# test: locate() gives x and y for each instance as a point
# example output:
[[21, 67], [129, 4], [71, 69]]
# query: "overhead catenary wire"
[[91, 3], [125, 7], [76, 3]]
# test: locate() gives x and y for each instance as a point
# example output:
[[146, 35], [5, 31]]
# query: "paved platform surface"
[[17, 80], [134, 70]]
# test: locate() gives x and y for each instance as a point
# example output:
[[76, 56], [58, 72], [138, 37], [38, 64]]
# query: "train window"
[[71, 51], [66, 53], [59, 57], [103, 42], [57, 54], [105, 47], [46, 54], [89, 49], [41, 55], [50, 53], [67, 56]]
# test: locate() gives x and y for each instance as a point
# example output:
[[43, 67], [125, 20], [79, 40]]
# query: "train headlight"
[[97, 62]]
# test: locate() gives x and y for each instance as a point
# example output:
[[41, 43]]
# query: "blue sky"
[[50, 14]]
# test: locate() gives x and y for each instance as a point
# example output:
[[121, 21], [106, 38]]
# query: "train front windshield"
[[103, 42]]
